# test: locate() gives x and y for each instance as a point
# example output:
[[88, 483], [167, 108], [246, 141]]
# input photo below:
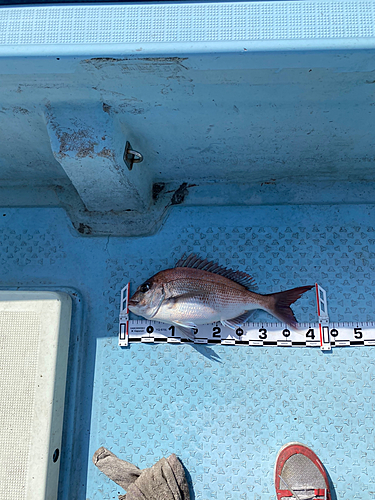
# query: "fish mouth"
[[133, 303]]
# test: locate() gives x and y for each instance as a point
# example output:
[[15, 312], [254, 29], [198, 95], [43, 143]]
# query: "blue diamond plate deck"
[[224, 410]]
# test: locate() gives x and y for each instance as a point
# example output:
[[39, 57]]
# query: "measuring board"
[[321, 334]]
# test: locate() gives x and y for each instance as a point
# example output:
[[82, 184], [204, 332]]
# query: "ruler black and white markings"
[[321, 334]]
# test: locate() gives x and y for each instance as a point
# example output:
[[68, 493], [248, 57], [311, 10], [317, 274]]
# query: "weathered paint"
[[244, 129], [89, 144]]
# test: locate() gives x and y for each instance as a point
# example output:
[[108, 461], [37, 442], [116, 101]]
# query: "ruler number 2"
[[216, 331]]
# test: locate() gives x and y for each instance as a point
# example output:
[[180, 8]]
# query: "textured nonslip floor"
[[224, 410]]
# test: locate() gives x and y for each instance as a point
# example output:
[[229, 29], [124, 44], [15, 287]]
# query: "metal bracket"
[[131, 156], [123, 339], [321, 300], [87, 143]]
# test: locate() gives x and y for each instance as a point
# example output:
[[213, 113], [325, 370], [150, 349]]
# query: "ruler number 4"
[[311, 334]]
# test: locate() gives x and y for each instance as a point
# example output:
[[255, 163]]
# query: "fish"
[[197, 291]]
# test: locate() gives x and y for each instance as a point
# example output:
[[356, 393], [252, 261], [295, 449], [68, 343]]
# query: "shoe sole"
[[309, 454]]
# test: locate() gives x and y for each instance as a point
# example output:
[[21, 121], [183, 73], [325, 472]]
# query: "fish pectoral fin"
[[186, 324], [228, 324], [187, 328], [238, 321]]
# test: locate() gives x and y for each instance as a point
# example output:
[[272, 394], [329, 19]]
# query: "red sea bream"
[[197, 292]]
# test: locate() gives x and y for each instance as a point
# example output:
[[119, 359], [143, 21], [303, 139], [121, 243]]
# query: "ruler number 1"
[[172, 328]]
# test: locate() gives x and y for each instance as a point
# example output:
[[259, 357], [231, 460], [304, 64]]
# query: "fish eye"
[[145, 287]]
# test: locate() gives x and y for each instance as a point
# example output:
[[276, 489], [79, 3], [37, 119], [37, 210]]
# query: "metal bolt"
[[131, 156]]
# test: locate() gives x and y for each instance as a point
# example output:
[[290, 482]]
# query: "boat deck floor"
[[224, 410]]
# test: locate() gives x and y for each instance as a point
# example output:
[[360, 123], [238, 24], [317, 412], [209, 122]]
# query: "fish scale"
[[209, 303]]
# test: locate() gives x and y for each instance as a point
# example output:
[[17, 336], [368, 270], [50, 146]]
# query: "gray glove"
[[163, 481]]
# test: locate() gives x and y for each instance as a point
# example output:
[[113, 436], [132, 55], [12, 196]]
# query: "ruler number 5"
[[357, 333]]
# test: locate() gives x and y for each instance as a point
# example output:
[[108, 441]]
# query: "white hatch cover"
[[34, 341]]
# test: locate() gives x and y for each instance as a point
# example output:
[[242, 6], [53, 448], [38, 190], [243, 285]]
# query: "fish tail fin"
[[282, 302]]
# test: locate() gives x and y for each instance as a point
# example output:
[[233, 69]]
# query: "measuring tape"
[[321, 334]]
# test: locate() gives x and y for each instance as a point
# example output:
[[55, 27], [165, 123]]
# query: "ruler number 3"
[[263, 333]]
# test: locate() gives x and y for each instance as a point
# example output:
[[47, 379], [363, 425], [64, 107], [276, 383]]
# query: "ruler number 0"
[[239, 332]]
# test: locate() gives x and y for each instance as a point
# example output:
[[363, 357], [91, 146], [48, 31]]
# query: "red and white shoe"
[[300, 475]]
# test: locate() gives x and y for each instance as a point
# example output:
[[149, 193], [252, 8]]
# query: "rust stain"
[[78, 141], [106, 108], [180, 194], [270, 182], [103, 59], [23, 111], [106, 153], [157, 188], [84, 228], [86, 151], [100, 62], [165, 59]]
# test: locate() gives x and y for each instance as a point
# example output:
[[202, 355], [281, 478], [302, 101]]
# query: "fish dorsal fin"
[[195, 262]]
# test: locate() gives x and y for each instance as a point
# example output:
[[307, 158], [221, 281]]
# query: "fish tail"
[[280, 305]]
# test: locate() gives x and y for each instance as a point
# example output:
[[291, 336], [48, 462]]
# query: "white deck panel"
[[34, 341], [161, 28]]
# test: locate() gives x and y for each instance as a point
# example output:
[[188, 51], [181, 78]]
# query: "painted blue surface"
[[276, 96], [225, 418]]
